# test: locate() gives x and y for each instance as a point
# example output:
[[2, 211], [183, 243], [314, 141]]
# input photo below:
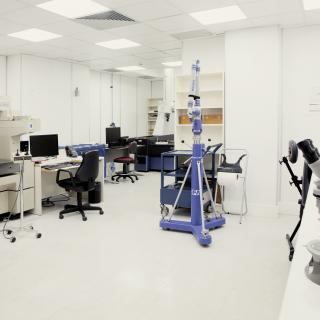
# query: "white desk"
[[45, 180], [302, 297]]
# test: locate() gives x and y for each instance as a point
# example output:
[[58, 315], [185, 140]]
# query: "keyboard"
[[61, 165]]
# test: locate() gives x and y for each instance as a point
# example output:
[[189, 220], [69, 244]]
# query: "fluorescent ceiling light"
[[219, 15], [311, 4], [118, 44], [172, 64], [73, 8], [130, 68], [34, 35]]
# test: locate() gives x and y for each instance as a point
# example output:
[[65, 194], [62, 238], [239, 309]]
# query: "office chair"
[[82, 181], [126, 161]]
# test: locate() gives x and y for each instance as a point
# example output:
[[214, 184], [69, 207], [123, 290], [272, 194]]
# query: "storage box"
[[212, 119], [184, 119]]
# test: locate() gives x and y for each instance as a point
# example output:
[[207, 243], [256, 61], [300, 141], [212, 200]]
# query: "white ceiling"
[[157, 21]]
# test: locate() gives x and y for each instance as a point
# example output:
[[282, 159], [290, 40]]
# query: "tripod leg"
[[180, 191]]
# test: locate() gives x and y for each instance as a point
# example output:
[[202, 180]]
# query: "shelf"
[[204, 125], [185, 108], [202, 75], [201, 91]]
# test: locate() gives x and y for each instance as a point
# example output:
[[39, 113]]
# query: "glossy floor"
[[122, 266]]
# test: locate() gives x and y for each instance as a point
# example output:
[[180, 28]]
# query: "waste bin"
[[95, 194]]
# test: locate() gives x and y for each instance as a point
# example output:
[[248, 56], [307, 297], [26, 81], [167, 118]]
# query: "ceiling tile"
[[11, 5], [150, 40], [174, 52], [134, 30], [68, 43], [312, 17], [149, 10], [180, 23], [66, 27], [176, 44], [284, 20], [114, 4], [270, 7], [6, 41], [32, 17], [94, 36], [10, 27], [200, 5], [223, 27], [152, 55]]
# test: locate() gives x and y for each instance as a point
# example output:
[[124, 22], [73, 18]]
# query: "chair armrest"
[[64, 170]]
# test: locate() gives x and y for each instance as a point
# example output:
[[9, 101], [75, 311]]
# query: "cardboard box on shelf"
[[212, 119]]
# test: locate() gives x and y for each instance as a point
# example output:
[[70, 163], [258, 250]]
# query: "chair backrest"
[[89, 168], [133, 147]]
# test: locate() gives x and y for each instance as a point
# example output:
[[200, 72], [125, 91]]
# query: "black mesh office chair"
[[126, 161], [82, 181]]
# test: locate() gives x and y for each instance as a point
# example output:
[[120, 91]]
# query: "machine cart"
[[169, 192]]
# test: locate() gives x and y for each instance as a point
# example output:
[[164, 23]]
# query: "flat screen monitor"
[[44, 145], [113, 135]]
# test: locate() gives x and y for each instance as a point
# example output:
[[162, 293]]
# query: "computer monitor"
[[44, 145], [113, 135]]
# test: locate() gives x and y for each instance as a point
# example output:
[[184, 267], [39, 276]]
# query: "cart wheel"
[[13, 239], [164, 210], [38, 235]]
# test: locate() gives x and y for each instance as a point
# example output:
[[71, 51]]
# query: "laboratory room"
[[159, 160]]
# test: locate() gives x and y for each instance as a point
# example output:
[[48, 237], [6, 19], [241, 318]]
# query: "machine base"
[[186, 226]]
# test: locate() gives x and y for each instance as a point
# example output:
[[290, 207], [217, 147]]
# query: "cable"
[[14, 204]]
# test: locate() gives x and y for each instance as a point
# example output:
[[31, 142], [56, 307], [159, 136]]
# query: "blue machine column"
[[196, 157]]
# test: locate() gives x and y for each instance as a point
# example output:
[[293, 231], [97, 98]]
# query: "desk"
[[45, 180], [302, 297]]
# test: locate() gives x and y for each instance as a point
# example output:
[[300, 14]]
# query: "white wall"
[[14, 81], [210, 52], [45, 94], [3, 75], [252, 86], [128, 104], [301, 72], [156, 89], [143, 94], [81, 109], [45, 88]]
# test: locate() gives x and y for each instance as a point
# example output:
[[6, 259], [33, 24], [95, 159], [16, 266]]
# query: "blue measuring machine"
[[200, 223]]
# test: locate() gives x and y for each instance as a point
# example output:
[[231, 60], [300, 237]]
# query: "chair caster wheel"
[[31, 227], [13, 239], [101, 212], [8, 232], [84, 219], [39, 235], [61, 216]]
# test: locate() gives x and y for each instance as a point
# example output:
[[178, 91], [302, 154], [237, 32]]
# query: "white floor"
[[122, 266]]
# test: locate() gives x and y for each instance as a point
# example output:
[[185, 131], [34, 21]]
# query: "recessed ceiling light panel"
[[34, 35], [118, 44], [172, 64], [73, 8], [311, 4], [130, 68], [219, 15]]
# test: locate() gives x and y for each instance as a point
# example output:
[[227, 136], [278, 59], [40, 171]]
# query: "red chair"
[[126, 161]]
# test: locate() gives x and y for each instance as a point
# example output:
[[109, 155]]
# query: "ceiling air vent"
[[105, 20], [192, 34]]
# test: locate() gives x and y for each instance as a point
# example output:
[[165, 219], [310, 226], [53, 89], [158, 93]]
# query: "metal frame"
[[244, 202]]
